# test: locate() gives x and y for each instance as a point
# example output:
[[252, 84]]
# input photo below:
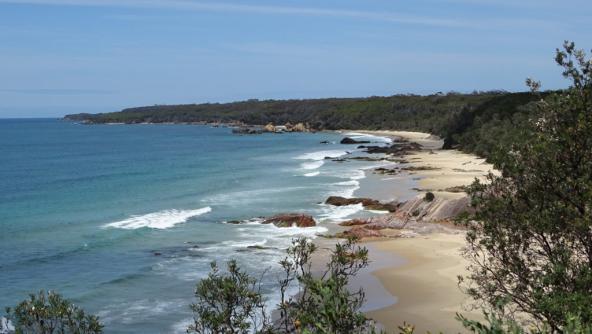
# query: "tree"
[[232, 302], [530, 238], [48, 313], [324, 304], [229, 303]]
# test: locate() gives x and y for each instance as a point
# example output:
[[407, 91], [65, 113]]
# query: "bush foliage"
[[530, 239], [49, 313]]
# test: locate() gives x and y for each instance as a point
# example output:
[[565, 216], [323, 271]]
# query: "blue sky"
[[66, 56]]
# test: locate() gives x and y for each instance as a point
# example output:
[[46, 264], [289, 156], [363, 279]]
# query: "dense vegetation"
[[477, 122], [49, 313], [530, 239]]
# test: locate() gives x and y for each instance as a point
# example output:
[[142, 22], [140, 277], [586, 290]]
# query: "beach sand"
[[426, 289], [424, 283]]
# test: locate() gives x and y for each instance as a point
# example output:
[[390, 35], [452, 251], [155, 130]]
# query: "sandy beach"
[[423, 280]]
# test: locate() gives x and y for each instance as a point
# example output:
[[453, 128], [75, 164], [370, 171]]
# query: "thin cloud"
[[56, 91], [255, 9]]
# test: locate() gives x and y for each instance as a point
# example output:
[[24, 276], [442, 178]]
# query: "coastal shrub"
[[494, 324], [229, 303], [49, 313], [529, 242], [232, 302], [324, 304], [429, 196]]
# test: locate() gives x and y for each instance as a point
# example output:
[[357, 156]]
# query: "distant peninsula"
[[474, 122]]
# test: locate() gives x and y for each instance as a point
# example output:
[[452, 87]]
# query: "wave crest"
[[159, 220], [321, 155]]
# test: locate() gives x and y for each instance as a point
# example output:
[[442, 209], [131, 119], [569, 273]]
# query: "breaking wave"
[[159, 220]]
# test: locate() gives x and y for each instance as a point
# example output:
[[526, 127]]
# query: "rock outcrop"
[[349, 141], [367, 203], [360, 232], [436, 209], [269, 127], [290, 220], [300, 127], [243, 130], [354, 222], [397, 149], [341, 201]]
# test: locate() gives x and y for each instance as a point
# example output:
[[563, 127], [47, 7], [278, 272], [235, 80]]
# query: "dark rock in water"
[[325, 142], [387, 171], [341, 201], [367, 203], [399, 148], [257, 247], [291, 219], [348, 140], [235, 222], [244, 130], [253, 248], [157, 253], [365, 158]]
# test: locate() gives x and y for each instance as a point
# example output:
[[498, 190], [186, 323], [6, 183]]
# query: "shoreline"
[[419, 273]]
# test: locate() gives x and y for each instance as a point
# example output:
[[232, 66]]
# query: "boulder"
[[291, 219], [247, 131], [437, 209], [398, 149], [387, 171], [348, 141], [361, 232], [269, 127], [234, 222], [390, 207], [354, 222], [300, 127], [341, 201]]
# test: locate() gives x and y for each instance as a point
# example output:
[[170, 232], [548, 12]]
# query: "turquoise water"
[[84, 209]]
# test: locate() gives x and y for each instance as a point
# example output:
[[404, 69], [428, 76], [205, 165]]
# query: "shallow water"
[[125, 219]]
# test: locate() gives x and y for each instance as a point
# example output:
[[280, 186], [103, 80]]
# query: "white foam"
[[159, 220], [321, 155], [352, 174], [181, 326], [352, 182], [248, 196], [339, 213], [138, 311], [224, 245], [345, 189], [358, 136], [312, 174], [312, 165]]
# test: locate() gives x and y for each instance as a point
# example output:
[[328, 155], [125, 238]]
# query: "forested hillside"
[[475, 122]]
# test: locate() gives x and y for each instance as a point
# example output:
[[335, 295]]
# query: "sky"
[[69, 56]]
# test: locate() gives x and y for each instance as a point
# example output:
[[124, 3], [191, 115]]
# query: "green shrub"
[[232, 302], [49, 313], [529, 242], [228, 303]]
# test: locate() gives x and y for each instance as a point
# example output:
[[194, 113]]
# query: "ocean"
[[124, 220]]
